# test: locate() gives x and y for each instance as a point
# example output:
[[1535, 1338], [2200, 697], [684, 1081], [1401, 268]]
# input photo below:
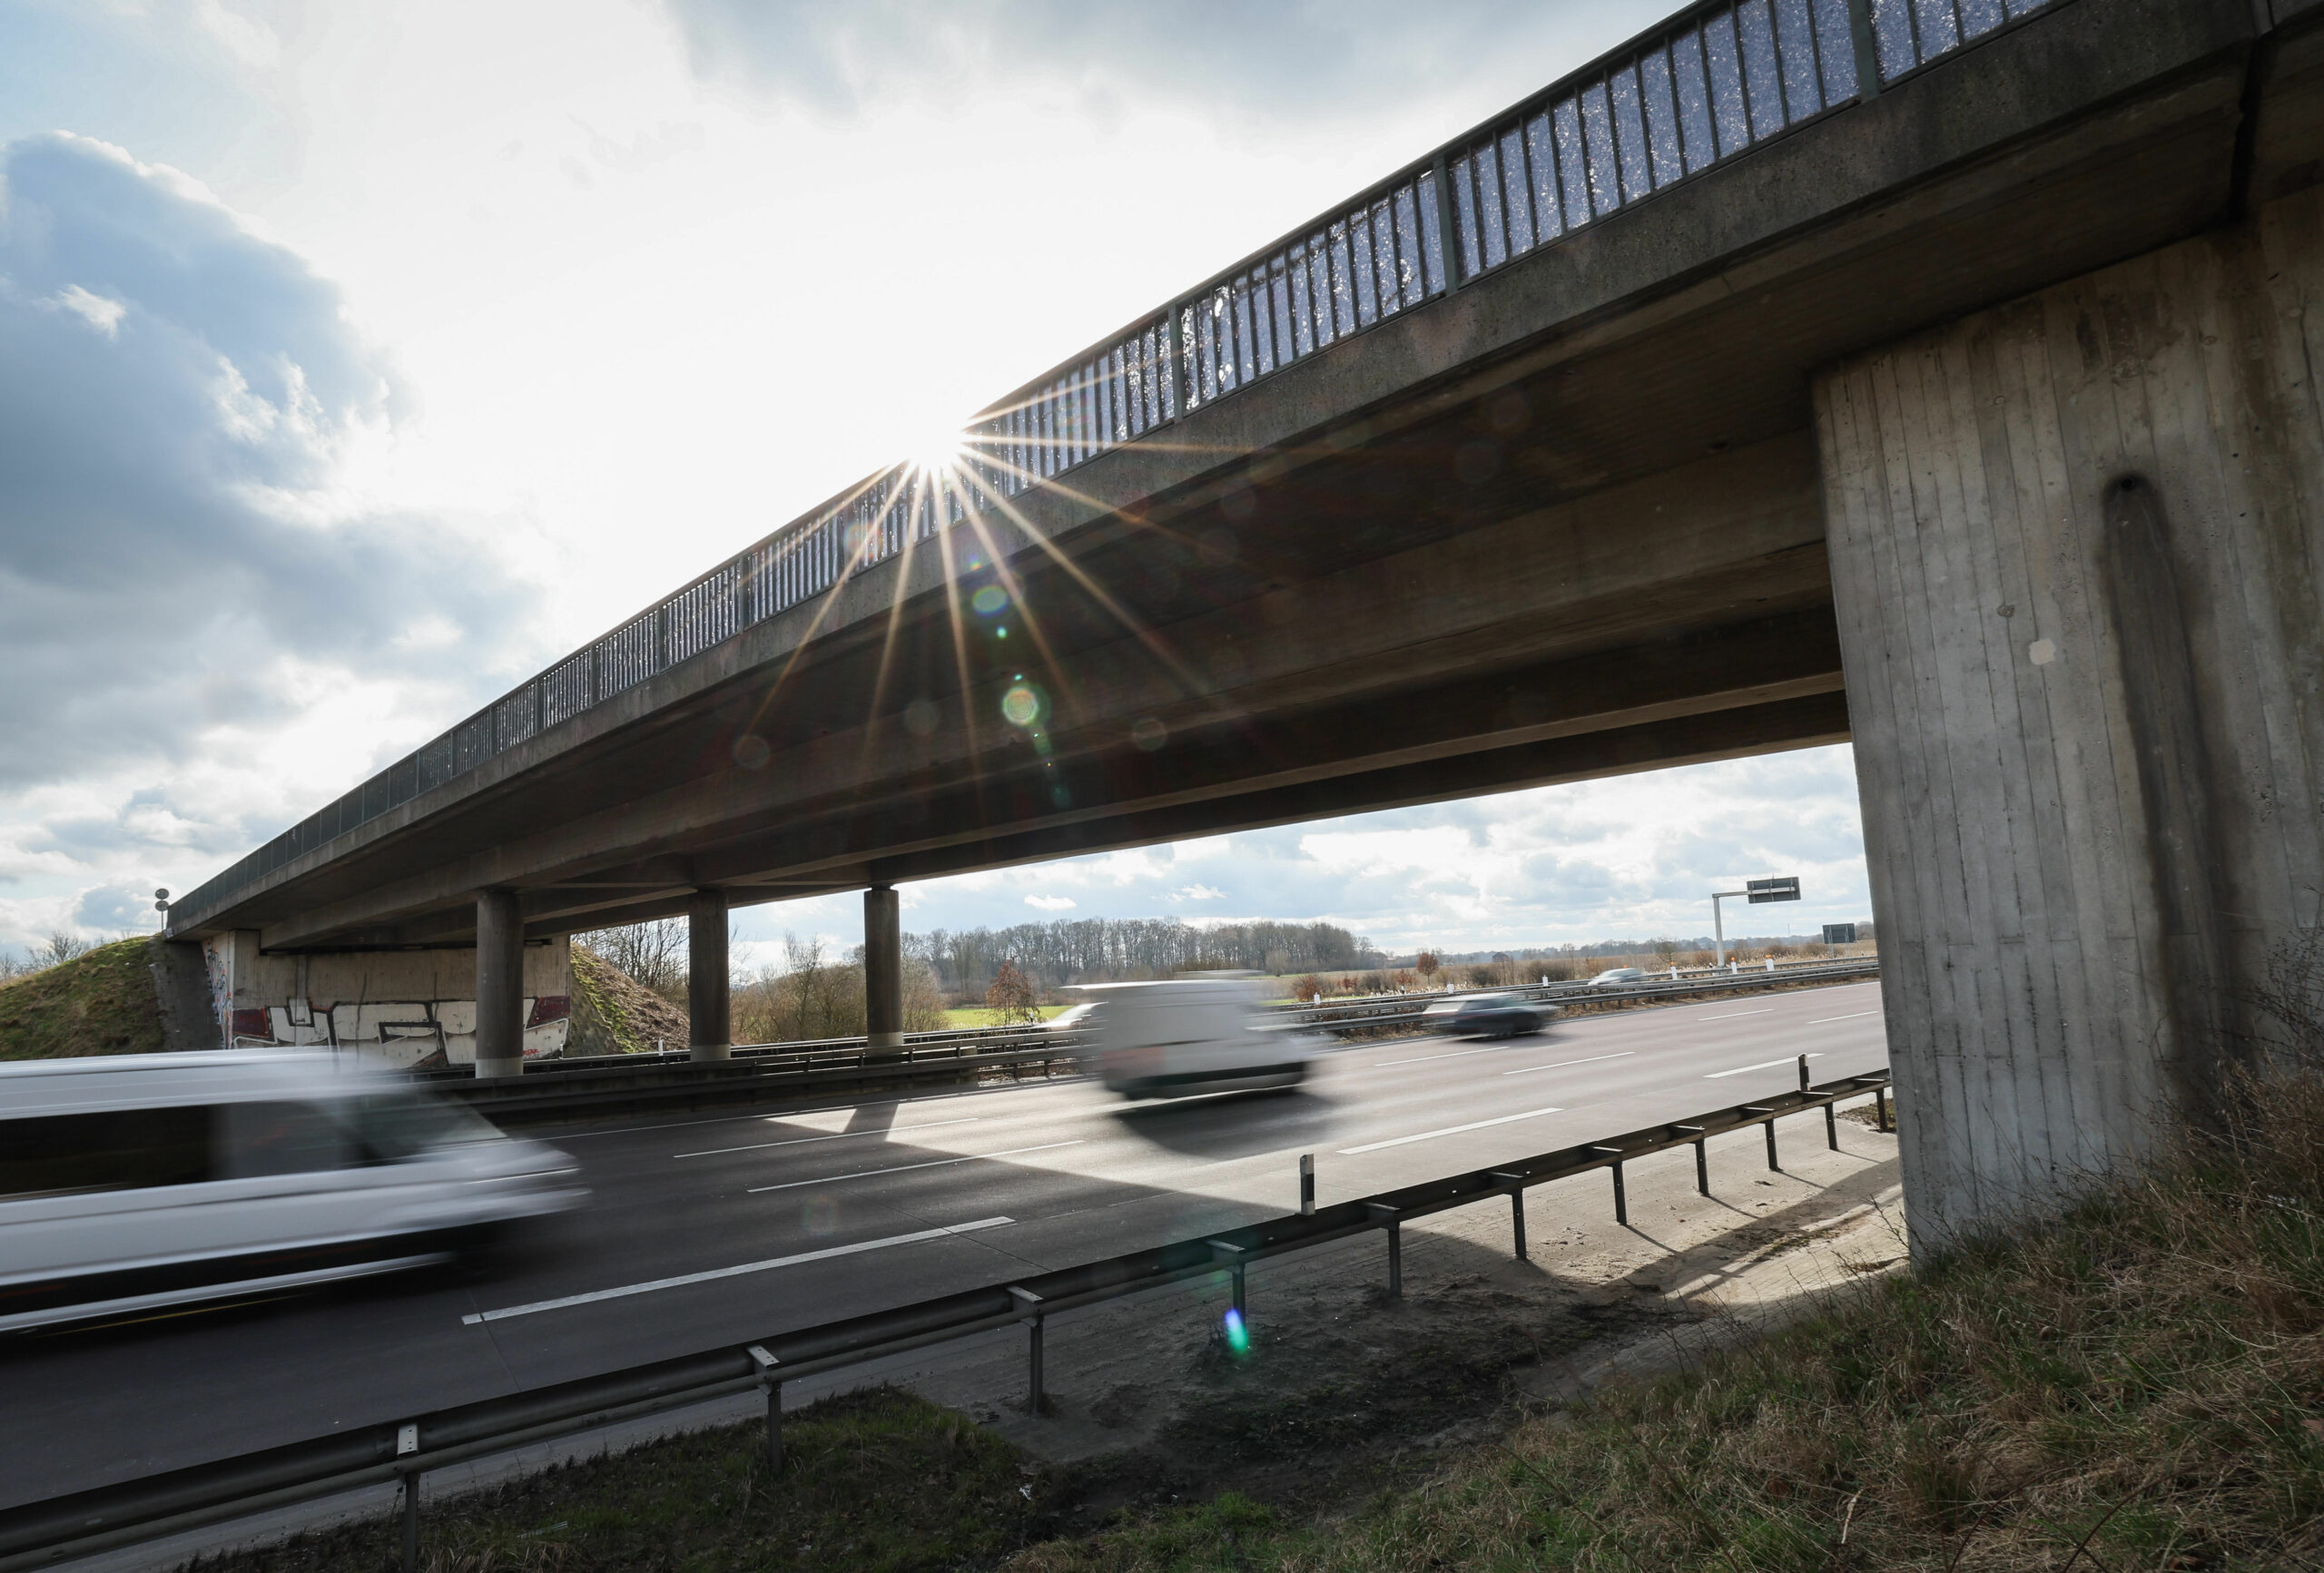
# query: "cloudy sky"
[[358, 357]]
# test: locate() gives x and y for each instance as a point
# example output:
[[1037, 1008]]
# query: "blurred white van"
[[136, 1182], [1195, 1034]]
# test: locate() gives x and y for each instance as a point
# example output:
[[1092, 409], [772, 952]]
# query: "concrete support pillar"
[[883, 970], [2078, 559], [709, 999], [500, 984]]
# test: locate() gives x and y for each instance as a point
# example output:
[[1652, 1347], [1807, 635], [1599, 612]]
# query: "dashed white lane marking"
[[1763, 1064], [825, 1254], [905, 1168], [1851, 1016], [1733, 1014], [842, 1137], [1422, 1059], [1447, 1131], [1556, 1065]]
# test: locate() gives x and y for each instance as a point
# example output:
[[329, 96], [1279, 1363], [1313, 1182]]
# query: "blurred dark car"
[[1487, 1016]]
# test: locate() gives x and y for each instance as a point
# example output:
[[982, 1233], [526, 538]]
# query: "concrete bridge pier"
[[2077, 548], [883, 971], [500, 984], [709, 987]]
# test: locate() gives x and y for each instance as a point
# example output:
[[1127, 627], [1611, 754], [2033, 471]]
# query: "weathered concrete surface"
[[400, 1007], [1562, 523], [2078, 552]]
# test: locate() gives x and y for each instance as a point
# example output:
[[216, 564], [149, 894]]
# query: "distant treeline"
[[1124, 949]]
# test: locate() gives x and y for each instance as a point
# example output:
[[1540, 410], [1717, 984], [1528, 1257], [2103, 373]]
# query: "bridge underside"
[[1566, 522]]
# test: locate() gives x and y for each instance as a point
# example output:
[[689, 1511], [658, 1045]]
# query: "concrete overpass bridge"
[[1932, 372]]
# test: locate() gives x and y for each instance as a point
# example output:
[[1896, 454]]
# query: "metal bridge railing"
[[1701, 89]]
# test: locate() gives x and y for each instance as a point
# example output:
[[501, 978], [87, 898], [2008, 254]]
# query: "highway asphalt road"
[[709, 1231]]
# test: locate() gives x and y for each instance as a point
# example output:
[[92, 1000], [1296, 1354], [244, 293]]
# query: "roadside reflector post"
[[1880, 1107], [1389, 1217], [1030, 1304], [770, 1383], [1621, 1202], [1803, 1073], [1307, 1185], [408, 1442], [1516, 1184], [1232, 1258], [1702, 1158]]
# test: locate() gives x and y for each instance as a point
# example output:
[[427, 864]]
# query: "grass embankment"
[[612, 1013], [100, 1002], [877, 1480], [2138, 1385]]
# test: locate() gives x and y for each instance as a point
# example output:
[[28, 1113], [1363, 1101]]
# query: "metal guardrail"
[[38, 1534], [1702, 88]]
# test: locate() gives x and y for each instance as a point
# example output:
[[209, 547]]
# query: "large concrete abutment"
[[2077, 547], [400, 1007]]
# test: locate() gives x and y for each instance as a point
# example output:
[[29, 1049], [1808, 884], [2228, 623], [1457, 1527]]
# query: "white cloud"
[[1051, 903], [1198, 893], [96, 310]]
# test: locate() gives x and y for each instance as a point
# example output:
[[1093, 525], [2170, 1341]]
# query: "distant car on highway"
[[1617, 977], [133, 1183], [1487, 1016], [1080, 1017], [1201, 1033]]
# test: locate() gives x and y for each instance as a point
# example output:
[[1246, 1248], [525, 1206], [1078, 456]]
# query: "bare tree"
[[1010, 998], [654, 954]]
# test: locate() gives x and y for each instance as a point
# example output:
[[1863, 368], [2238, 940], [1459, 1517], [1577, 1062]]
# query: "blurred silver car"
[[1617, 977], [136, 1182]]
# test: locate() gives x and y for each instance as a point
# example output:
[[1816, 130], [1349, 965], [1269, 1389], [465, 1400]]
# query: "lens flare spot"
[[990, 600], [1238, 1336], [1022, 705]]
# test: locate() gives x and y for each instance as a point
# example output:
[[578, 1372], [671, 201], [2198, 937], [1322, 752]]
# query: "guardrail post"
[[1770, 1124], [1233, 1255], [1516, 1184], [408, 1441], [1702, 1158], [1031, 1302], [1307, 1185], [1392, 1220], [772, 1385], [1621, 1202]]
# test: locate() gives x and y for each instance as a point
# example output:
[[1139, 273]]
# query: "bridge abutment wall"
[[2077, 546], [400, 1007]]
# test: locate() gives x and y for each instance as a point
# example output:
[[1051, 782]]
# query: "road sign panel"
[[1839, 933], [1786, 889]]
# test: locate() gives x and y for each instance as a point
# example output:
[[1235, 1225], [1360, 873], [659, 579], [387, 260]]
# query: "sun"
[[939, 452]]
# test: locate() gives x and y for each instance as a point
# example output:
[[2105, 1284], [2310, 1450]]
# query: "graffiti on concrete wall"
[[417, 1034]]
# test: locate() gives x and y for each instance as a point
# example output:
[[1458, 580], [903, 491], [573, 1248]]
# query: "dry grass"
[[2139, 1385]]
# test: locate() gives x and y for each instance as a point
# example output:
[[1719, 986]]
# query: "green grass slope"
[[99, 1003]]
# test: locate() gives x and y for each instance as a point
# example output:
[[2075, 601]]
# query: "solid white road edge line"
[[1763, 1064], [715, 1274], [1560, 1064], [904, 1168], [1447, 1131], [1849, 1017], [839, 1137]]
